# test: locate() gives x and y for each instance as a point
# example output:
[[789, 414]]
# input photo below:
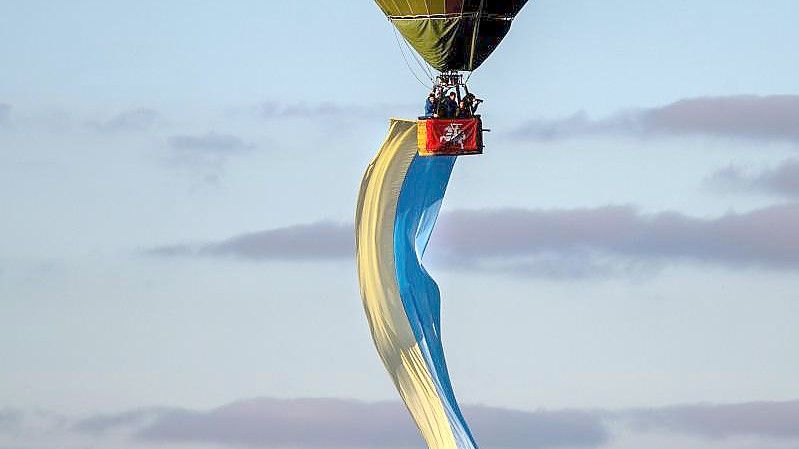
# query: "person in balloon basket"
[[464, 109], [431, 106], [472, 102], [450, 106]]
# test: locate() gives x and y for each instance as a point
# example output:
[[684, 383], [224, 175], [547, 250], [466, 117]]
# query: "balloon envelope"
[[452, 34]]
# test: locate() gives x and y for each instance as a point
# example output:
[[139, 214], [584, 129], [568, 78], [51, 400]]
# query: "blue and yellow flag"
[[398, 204]]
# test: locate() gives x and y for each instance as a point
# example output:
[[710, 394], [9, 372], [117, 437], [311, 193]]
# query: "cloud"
[[315, 241], [133, 120], [18, 422], [5, 113], [209, 143], [208, 152], [102, 423], [10, 419], [765, 118], [765, 237], [272, 110], [763, 419], [555, 243], [782, 180], [345, 423], [505, 428]]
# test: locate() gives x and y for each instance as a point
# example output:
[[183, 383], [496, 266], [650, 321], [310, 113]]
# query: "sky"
[[178, 182]]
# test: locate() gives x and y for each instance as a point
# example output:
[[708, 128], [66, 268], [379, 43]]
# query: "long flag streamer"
[[398, 204]]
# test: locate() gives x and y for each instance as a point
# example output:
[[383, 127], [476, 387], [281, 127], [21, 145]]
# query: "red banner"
[[450, 136]]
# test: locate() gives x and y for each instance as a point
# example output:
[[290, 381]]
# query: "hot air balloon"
[[400, 196]]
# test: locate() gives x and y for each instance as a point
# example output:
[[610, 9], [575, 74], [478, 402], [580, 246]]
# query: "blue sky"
[[627, 245]]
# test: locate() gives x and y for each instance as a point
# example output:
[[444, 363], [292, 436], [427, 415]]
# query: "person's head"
[[463, 103], [431, 97], [452, 95]]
